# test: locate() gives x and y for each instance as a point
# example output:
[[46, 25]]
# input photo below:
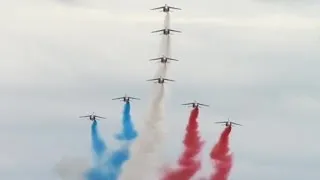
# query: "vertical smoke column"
[[188, 164], [164, 50], [98, 146], [145, 151], [221, 158], [121, 155], [128, 132]]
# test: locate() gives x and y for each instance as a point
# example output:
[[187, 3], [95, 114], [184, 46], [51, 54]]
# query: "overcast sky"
[[256, 61]]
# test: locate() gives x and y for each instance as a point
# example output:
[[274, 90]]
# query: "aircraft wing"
[[157, 8], [187, 104], [174, 8], [153, 79], [157, 31], [155, 59], [174, 30], [221, 122], [173, 59], [203, 105], [101, 117], [117, 98], [134, 98], [236, 124], [168, 79], [84, 116]]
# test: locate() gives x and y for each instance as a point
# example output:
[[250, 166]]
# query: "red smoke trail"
[[221, 158], [187, 162]]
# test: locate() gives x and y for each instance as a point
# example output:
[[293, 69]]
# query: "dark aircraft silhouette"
[[125, 98], [195, 104], [160, 80], [164, 59], [166, 31], [228, 123], [93, 117], [166, 8]]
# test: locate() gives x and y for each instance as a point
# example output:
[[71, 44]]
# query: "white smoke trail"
[[165, 49], [145, 151]]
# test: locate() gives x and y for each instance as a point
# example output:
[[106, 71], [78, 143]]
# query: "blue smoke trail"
[[128, 132], [111, 169], [98, 145], [119, 157], [99, 148]]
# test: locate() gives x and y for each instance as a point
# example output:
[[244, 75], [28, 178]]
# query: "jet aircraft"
[[160, 80], [228, 123], [166, 8], [164, 59], [166, 31], [125, 98], [93, 117], [196, 104]]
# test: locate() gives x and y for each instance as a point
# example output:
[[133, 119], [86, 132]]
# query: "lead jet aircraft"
[[164, 59], [93, 117], [166, 31], [125, 98], [160, 80], [166, 8], [196, 104], [228, 123]]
